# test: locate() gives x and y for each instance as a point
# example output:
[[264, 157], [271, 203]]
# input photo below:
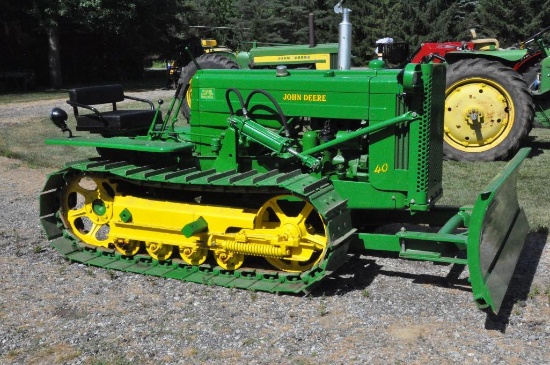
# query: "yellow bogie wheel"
[[127, 247], [88, 209], [193, 256], [159, 251], [297, 223], [488, 111], [229, 260]]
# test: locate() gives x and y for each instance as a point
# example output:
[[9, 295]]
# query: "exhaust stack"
[[311, 24], [344, 41]]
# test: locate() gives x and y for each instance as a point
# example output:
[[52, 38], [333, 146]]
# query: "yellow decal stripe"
[[322, 61]]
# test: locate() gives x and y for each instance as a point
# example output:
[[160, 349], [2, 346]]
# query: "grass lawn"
[[27, 144], [463, 180], [32, 96]]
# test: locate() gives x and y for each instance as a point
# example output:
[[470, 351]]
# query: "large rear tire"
[[206, 61], [488, 111]]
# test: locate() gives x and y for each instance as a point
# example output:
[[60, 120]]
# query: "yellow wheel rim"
[[479, 114], [188, 94], [88, 209], [297, 221]]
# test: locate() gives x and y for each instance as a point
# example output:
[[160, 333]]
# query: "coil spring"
[[256, 249]]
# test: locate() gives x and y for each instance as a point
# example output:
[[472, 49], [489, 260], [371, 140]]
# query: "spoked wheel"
[[298, 223], [488, 111], [88, 208]]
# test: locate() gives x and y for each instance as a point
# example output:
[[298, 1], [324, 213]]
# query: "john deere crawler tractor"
[[276, 178]]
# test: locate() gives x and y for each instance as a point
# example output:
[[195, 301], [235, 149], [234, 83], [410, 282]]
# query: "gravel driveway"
[[374, 310]]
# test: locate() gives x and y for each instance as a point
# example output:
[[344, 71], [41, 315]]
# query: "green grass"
[[32, 96], [462, 181], [25, 142]]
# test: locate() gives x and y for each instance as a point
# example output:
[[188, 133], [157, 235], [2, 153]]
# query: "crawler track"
[[149, 182]]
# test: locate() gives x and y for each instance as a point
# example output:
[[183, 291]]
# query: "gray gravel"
[[374, 310]]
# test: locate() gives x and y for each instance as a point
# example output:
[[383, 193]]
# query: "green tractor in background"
[[493, 95], [210, 55]]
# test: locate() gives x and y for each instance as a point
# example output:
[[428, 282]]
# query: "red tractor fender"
[[441, 49], [519, 60], [529, 60]]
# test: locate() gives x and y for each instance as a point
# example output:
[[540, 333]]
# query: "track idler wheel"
[[127, 247], [229, 260], [88, 207]]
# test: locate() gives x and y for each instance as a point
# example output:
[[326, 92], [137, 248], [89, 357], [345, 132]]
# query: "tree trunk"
[[54, 57]]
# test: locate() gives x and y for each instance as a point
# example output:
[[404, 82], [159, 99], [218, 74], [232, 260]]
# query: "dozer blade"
[[497, 233]]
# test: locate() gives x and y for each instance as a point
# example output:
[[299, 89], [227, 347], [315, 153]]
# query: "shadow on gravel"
[[450, 281], [520, 285], [359, 273]]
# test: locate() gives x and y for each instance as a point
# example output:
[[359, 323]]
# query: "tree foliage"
[[111, 39]]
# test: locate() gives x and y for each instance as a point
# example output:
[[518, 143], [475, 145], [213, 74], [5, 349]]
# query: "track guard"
[[496, 236], [49, 204]]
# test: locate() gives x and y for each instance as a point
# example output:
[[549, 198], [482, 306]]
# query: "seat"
[[128, 122]]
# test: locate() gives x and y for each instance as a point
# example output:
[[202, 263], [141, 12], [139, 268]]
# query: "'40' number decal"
[[381, 168]]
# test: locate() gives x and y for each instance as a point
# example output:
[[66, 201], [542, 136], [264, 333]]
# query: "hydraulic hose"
[[239, 95], [275, 104]]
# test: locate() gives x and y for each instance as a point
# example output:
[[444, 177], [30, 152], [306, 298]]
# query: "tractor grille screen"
[[430, 165], [424, 140]]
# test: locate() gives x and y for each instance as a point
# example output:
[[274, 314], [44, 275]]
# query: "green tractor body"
[[276, 178], [317, 57]]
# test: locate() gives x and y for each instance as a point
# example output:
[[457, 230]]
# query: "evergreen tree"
[[113, 37], [512, 21], [109, 39]]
